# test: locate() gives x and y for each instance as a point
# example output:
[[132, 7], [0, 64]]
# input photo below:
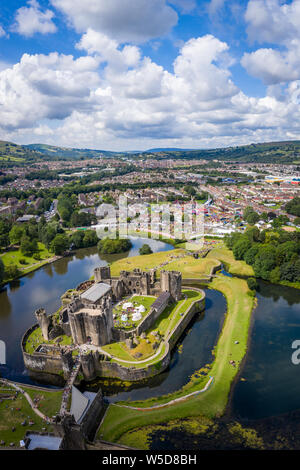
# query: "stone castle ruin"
[[88, 318], [141, 283]]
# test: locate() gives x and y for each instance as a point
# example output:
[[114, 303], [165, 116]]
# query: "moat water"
[[43, 288], [269, 383]]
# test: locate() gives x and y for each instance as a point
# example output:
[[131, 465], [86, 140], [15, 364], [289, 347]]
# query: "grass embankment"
[[15, 412], [31, 264], [211, 403], [177, 260], [238, 268]]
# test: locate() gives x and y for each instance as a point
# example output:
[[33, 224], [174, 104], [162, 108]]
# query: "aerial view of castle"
[[123, 312], [149, 228]]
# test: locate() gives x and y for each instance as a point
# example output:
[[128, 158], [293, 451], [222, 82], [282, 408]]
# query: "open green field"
[[11, 159], [15, 412], [119, 420], [240, 268], [177, 260], [13, 258], [145, 262]]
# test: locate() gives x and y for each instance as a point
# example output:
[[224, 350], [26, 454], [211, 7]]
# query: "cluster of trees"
[[252, 217], [273, 254], [145, 250], [84, 239], [67, 208], [293, 207], [82, 219], [108, 246]]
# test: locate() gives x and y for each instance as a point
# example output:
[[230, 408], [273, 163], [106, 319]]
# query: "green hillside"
[[272, 152], [10, 152], [72, 153]]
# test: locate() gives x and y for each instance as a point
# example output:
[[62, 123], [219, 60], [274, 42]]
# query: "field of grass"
[[14, 257], [36, 338], [119, 420], [14, 412], [145, 262], [186, 264], [239, 268]]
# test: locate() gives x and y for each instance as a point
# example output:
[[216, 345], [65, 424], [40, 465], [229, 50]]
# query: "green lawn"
[[211, 403], [145, 300], [186, 264], [14, 257], [14, 412], [145, 262], [233, 266], [36, 338]]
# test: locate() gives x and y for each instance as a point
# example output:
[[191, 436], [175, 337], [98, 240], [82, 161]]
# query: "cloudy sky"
[[138, 74]]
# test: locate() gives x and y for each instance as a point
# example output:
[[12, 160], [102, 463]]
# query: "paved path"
[[171, 402], [28, 398]]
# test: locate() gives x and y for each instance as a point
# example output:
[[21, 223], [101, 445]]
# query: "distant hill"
[[72, 153], [168, 150], [270, 152], [10, 152]]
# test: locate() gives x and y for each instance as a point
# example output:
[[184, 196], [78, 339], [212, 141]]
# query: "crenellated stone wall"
[[94, 365]]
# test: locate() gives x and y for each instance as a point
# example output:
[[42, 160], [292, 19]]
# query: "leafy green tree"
[[145, 250], [265, 261], [275, 275], [250, 254], [77, 239], [253, 234], [90, 238], [12, 271], [59, 244], [108, 246], [16, 233], [241, 247], [252, 283], [28, 247]]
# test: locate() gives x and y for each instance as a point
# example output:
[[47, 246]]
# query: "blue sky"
[[136, 74]]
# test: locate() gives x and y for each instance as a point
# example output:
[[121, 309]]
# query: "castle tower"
[[152, 273], [170, 281], [102, 274], [44, 322]]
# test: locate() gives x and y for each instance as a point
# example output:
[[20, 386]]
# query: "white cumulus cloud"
[[116, 98], [122, 20], [274, 22], [31, 19]]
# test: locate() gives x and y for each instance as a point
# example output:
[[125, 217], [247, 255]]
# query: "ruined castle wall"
[[40, 362], [133, 374]]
